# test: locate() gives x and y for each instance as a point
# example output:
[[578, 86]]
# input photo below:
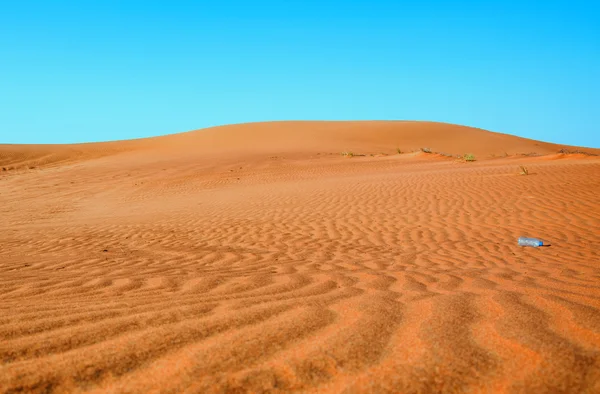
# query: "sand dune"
[[256, 258], [237, 142]]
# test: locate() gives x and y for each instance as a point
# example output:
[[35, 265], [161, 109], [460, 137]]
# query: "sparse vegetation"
[[524, 170], [399, 151], [576, 151], [352, 154], [426, 150], [469, 157]]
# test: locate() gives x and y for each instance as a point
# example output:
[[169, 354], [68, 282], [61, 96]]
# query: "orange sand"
[[253, 258]]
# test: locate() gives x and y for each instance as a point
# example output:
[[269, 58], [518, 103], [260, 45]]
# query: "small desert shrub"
[[524, 170], [399, 151], [469, 157], [348, 154], [426, 150]]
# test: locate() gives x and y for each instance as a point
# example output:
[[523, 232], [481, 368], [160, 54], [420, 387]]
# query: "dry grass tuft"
[[523, 170]]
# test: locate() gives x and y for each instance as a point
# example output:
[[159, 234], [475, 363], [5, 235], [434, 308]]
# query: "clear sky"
[[78, 71]]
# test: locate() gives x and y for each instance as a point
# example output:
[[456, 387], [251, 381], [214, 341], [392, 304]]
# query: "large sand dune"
[[253, 258]]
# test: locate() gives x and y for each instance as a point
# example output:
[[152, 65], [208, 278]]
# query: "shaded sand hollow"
[[256, 258]]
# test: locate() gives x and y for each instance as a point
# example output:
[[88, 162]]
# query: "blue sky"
[[75, 71]]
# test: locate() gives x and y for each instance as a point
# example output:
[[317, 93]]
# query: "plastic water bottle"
[[524, 241]]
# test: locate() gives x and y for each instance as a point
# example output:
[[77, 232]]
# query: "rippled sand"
[[256, 258]]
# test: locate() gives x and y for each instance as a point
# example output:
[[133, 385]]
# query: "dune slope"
[[308, 137], [255, 258]]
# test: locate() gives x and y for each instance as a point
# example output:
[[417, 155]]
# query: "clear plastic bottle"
[[524, 241]]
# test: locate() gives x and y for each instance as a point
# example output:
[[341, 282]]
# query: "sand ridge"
[[244, 259], [256, 140]]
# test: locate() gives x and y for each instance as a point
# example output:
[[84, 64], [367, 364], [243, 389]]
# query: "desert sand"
[[257, 258]]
